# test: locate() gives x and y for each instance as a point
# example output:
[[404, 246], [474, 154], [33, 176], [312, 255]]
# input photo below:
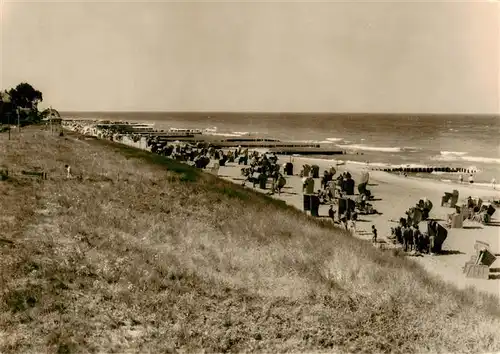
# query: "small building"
[[52, 119]]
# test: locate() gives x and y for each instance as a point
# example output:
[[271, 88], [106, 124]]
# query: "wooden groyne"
[[175, 137], [304, 150], [250, 139], [167, 134], [279, 146], [425, 169]]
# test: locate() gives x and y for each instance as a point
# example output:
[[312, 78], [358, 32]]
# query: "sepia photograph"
[[249, 176]]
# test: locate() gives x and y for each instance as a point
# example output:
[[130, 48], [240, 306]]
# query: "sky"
[[390, 57]]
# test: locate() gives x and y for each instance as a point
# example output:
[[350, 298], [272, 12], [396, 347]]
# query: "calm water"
[[464, 141]]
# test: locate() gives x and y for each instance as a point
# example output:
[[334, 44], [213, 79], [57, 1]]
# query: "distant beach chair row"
[[425, 169]]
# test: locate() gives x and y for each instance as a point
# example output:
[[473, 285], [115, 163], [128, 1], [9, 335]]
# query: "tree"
[[25, 96], [6, 108], [20, 103]]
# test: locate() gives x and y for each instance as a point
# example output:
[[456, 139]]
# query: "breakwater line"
[[426, 169]]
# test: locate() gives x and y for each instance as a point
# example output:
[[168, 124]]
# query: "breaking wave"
[[327, 141], [464, 157], [307, 141], [453, 153], [489, 160], [214, 132], [224, 134], [369, 148]]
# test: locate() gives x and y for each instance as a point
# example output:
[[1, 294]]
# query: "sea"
[[467, 141]]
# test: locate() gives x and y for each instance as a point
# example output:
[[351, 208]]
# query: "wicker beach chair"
[[450, 199], [479, 264], [306, 169], [214, 169]]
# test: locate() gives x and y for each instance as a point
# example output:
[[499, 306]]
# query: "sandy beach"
[[393, 196]]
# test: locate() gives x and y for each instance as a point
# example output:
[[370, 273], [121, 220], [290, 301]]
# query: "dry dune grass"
[[146, 255]]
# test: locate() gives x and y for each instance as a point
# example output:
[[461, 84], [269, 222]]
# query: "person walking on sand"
[[374, 233]]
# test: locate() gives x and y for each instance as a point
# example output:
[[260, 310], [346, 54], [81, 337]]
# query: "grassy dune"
[[143, 254]]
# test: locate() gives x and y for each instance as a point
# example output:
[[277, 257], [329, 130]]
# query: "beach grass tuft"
[[145, 254]]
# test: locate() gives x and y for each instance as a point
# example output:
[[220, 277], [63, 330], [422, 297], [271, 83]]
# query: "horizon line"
[[284, 112]]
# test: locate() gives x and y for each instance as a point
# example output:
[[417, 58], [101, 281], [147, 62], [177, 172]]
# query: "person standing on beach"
[[461, 179], [68, 171], [406, 237], [432, 231], [374, 232], [494, 183], [471, 179], [281, 181], [417, 239], [432, 239], [343, 219], [352, 226], [411, 244], [331, 213], [399, 234]]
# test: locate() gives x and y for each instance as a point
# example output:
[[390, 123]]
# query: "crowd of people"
[[199, 154], [261, 168], [414, 240], [338, 192], [409, 235]]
